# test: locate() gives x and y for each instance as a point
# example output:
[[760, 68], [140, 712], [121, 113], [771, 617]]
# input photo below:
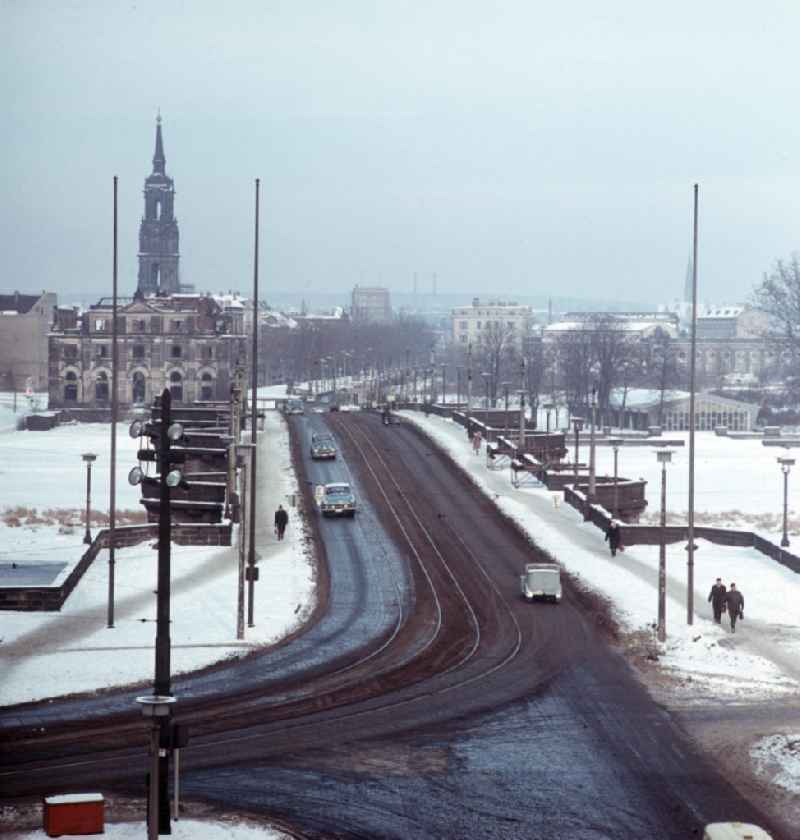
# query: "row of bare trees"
[[600, 354], [313, 347]]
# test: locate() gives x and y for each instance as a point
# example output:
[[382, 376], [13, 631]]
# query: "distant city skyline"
[[533, 149]]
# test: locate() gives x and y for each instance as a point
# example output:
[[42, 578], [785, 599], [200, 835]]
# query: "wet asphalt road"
[[528, 726]]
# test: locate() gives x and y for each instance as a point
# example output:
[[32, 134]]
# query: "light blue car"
[[338, 500]]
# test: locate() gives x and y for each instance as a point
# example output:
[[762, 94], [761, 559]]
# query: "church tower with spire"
[[158, 233]]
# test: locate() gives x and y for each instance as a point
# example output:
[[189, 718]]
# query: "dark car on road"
[[323, 447]]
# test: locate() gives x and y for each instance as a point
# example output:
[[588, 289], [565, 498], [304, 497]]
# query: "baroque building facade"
[[191, 344]]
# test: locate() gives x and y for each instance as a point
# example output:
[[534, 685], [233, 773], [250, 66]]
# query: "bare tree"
[[573, 352], [778, 296], [661, 368], [496, 350], [611, 346]]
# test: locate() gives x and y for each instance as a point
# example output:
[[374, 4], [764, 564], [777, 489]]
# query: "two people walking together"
[[726, 600]]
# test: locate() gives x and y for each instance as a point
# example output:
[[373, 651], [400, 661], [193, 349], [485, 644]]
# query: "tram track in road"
[[474, 714], [372, 456], [447, 647]]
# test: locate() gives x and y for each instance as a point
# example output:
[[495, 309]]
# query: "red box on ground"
[[74, 813]]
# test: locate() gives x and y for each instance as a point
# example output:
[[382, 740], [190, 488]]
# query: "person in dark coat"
[[717, 599], [614, 537], [281, 521], [734, 600]]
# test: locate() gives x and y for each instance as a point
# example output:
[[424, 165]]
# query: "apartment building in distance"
[[24, 324], [371, 304], [476, 323]]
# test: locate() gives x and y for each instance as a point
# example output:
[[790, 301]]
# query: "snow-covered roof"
[[646, 398], [231, 300], [643, 397], [615, 324], [273, 318]]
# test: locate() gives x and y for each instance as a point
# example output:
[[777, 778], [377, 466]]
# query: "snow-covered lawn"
[[50, 654], [181, 830], [762, 659], [738, 483]]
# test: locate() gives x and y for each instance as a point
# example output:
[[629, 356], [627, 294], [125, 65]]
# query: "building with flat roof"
[[24, 325], [371, 303], [483, 321]]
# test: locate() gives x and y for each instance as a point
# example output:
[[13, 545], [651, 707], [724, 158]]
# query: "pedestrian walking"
[[717, 599], [734, 600], [281, 521], [614, 537], [476, 442]]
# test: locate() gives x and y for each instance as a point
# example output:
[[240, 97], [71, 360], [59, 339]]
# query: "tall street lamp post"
[[615, 445], [548, 407], [444, 384], [577, 425], [592, 471], [664, 457], [786, 465], [521, 395], [88, 457], [506, 386], [469, 380], [486, 378]]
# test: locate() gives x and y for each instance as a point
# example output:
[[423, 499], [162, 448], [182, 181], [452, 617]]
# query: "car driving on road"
[[323, 447], [294, 407], [541, 580], [337, 500]]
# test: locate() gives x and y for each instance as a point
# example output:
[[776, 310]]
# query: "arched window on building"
[[206, 387], [138, 387], [101, 387], [176, 386], [71, 387]]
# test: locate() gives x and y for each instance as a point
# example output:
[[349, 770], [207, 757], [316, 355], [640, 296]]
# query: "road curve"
[[471, 712]]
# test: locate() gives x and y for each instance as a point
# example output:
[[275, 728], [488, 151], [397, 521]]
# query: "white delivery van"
[[541, 580], [735, 831]]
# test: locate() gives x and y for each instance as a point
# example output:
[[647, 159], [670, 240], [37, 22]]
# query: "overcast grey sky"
[[510, 147]]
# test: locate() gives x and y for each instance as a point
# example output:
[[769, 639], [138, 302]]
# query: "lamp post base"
[[87, 538], [784, 543]]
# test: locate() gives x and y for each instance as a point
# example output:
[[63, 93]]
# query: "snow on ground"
[[738, 483], [779, 757], [181, 830], [761, 660], [14, 408], [45, 654]]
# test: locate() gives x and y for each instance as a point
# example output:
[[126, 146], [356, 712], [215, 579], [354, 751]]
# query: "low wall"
[[52, 598], [651, 534]]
